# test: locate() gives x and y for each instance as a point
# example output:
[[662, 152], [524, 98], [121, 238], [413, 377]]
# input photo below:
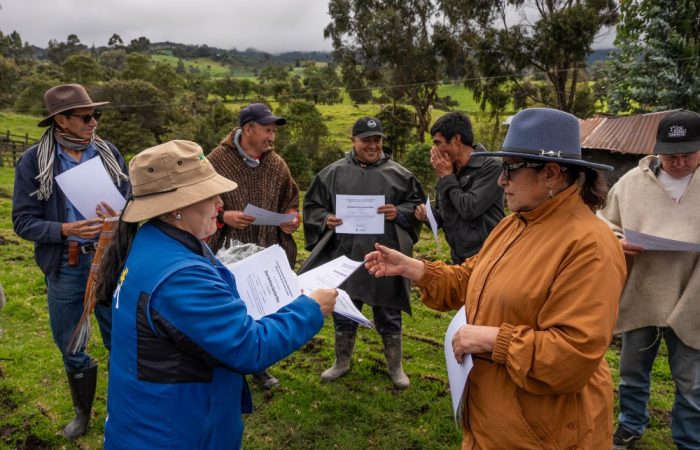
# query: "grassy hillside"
[[205, 65], [360, 411], [20, 124]]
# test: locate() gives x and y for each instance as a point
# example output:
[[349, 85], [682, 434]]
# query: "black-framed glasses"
[[508, 168], [96, 114]]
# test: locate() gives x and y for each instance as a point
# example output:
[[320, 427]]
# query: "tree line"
[[395, 53]]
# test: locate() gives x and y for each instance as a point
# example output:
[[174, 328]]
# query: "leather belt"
[[84, 249]]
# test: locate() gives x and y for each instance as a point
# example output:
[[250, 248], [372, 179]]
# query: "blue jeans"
[[639, 349], [386, 320], [66, 290]]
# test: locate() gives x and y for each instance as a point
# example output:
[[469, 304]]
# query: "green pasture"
[[205, 65], [360, 411], [20, 125]]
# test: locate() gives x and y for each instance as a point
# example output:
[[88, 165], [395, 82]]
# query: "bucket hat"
[[260, 113], [678, 132], [64, 97], [170, 176], [366, 127], [544, 134]]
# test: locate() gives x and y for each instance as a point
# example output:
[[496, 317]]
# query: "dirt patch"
[[662, 415], [5, 241]]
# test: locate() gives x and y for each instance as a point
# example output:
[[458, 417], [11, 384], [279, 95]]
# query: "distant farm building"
[[619, 141]]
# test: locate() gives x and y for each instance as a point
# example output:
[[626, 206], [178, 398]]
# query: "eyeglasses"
[[88, 117], [508, 168]]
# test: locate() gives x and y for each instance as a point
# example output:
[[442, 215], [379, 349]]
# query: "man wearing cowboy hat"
[[247, 156], [64, 241], [660, 197], [366, 170]]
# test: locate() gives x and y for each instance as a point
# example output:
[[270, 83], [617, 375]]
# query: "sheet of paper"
[[88, 184], [432, 221], [265, 217], [265, 281], [346, 308], [457, 373], [359, 214], [650, 242], [329, 275]]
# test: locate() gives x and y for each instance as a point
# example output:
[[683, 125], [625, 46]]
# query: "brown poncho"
[[269, 186]]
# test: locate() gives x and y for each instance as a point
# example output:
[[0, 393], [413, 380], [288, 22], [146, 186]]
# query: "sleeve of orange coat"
[[444, 287], [574, 326]]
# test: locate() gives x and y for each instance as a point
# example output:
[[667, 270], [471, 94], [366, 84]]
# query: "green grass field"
[[20, 125], [360, 411]]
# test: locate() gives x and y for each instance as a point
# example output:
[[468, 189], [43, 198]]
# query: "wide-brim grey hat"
[[61, 98], [545, 134]]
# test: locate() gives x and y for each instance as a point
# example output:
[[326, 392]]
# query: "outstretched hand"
[[386, 262]]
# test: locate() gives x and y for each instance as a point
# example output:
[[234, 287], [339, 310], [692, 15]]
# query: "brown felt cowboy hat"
[[65, 97], [170, 176]]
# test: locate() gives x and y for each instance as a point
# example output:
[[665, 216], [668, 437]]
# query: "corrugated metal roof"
[[625, 134]]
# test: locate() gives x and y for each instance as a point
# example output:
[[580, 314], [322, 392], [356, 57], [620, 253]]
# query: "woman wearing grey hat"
[[540, 297], [182, 338]]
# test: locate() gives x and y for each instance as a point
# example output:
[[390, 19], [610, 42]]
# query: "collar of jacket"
[[562, 200], [187, 239], [353, 158]]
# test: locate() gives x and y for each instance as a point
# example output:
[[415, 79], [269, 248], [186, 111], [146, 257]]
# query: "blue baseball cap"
[[260, 113]]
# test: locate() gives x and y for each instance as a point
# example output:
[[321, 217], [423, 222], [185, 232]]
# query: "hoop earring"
[[178, 216]]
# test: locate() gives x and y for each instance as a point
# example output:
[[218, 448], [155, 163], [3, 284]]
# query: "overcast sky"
[[273, 26]]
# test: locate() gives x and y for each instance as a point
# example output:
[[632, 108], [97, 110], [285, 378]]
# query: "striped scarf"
[[46, 154]]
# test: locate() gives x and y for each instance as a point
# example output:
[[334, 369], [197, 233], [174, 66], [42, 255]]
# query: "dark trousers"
[[386, 320], [66, 290]]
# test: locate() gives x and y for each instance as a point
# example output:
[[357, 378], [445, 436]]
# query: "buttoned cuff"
[[429, 278], [500, 347]]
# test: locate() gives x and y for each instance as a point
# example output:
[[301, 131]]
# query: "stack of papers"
[[266, 283], [331, 275]]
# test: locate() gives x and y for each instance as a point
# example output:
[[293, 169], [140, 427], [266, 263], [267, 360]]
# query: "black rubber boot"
[[393, 351], [264, 380], [344, 343], [82, 389]]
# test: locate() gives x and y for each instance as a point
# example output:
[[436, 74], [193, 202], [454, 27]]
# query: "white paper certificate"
[[649, 242], [265, 217], [432, 221], [88, 184], [329, 275], [457, 373], [359, 214], [265, 281]]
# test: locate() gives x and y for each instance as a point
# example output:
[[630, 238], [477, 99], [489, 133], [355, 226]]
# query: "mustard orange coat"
[[551, 280]]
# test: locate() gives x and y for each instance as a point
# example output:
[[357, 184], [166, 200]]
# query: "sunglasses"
[[88, 117], [508, 168]]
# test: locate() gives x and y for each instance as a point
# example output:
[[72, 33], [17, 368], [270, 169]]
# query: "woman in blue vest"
[[182, 338]]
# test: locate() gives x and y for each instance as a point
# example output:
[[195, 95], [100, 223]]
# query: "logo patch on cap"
[[677, 131], [371, 123]]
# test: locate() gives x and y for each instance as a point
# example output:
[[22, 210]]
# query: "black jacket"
[[469, 205]]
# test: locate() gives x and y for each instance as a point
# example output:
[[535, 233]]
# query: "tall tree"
[[552, 43], [657, 64], [398, 45]]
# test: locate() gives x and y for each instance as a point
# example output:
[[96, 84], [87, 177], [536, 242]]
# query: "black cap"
[[679, 132], [366, 127], [260, 113]]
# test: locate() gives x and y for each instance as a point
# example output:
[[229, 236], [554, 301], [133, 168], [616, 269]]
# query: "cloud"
[[271, 25]]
